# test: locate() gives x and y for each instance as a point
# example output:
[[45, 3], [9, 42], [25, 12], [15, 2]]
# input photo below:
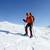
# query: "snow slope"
[[40, 40]]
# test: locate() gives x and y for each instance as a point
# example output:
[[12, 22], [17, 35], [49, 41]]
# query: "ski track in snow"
[[11, 39]]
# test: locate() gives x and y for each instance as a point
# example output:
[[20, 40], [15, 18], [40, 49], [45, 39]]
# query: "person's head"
[[30, 13], [26, 14]]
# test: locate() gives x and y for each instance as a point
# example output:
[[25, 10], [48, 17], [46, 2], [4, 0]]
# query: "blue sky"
[[14, 11]]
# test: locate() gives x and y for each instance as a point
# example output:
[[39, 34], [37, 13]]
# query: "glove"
[[24, 20]]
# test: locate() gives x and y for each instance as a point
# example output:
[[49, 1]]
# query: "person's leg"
[[26, 32], [31, 31]]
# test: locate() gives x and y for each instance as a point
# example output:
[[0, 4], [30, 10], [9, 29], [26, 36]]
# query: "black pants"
[[30, 28]]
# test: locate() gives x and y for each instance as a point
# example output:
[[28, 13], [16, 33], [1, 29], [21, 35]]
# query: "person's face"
[[30, 14], [27, 14]]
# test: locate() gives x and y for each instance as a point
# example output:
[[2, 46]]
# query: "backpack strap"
[[33, 18]]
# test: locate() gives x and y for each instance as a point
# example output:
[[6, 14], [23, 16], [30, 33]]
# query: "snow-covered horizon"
[[39, 41], [5, 25]]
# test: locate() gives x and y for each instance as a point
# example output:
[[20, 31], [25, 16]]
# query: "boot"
[[31, 34]]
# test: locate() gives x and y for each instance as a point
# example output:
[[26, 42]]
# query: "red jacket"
[[29, 19]]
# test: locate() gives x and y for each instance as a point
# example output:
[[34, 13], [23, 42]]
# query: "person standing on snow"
[[29, 20]]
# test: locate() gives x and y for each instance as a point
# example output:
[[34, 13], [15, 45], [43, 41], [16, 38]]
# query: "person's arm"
[[24, 20]]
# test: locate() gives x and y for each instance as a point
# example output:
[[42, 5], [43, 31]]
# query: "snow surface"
[[10, 40]]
